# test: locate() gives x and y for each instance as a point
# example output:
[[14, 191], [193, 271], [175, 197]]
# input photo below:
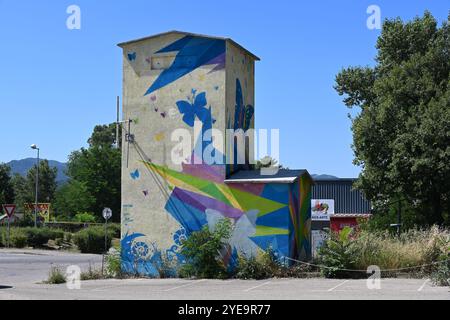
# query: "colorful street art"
[[193, 52], [194, 195]]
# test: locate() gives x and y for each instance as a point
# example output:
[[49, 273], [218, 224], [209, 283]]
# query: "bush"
[[18, 238], [263, 266], [56, 276], [202, 251], [338, 255], [114, 263], [38, 237], [92, 240], [85, 217], [115, 229], [441, 275]]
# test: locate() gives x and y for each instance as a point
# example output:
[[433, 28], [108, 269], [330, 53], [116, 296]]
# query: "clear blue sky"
[[57, 84]]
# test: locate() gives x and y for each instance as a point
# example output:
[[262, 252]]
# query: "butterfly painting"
[[195, 107], [243, 113], [132, 56], [135, 174]]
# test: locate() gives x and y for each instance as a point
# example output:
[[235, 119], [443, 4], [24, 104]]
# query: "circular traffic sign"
[[107, 213]]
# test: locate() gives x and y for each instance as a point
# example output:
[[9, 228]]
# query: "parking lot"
[[20, 274]]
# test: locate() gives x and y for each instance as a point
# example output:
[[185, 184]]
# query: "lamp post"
[[35, 147]]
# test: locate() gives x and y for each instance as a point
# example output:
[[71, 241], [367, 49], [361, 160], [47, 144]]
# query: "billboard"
[[43, 210], [321, 209]]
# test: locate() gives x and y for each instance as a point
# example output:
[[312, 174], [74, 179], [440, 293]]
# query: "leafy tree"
[[6, 187], [47, 182], [104, 136], [21, 191], [267, 162], [402, 132], [98, 168], [72, 198]]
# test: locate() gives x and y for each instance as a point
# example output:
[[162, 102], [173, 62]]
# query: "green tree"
[[72, 198], [6, 187], [268, 162], [21, 191], [104, 136], [47, 182], [402, 131], [98, 168]]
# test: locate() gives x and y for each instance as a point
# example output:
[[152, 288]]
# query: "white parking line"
[[339, 285], [186, 285], [423, 285], [259, 286]]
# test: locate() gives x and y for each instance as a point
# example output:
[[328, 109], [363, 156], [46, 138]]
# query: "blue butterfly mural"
[[243, 113], [197, 108], [135, 175], [132, 56], [193, 52]]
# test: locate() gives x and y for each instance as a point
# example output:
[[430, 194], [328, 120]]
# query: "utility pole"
[[35, 147], [117, 123]]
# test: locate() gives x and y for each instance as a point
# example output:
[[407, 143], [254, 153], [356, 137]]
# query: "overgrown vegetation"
[[56, 276], [415, 251], [202, 251]]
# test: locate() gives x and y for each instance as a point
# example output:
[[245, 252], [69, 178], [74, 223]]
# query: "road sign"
[[107, 213], [9, 209]]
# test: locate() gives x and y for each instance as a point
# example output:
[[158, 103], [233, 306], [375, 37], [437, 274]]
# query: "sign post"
[[9, 210], [107, 214]]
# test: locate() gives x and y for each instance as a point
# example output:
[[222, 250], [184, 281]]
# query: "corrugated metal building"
[[349, 203]]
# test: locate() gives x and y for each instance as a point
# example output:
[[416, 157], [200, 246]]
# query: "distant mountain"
[[22, 166], [318, 177]]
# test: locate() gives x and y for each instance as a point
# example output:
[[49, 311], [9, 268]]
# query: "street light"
[[35, 147]]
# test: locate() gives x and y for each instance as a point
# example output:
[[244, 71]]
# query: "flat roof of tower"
[[255, 176], [122, 44]]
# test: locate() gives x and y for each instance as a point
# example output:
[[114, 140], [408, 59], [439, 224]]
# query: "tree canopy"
[[402, 131], [6, 187], [95, 173]]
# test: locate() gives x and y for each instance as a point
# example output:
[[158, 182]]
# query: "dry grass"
[[414, 248]]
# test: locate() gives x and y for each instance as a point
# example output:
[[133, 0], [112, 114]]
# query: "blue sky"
[[57, 84]]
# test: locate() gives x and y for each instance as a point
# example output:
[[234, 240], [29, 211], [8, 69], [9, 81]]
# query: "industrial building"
[[350, 205]]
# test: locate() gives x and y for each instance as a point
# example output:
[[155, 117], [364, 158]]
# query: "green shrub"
[[114, 263], [38, 237], [92, 240], [115, 229], [263, 266], [441, 275], [56, 276], [338, 255], [18, 238], [202, 251], [85, 217]]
